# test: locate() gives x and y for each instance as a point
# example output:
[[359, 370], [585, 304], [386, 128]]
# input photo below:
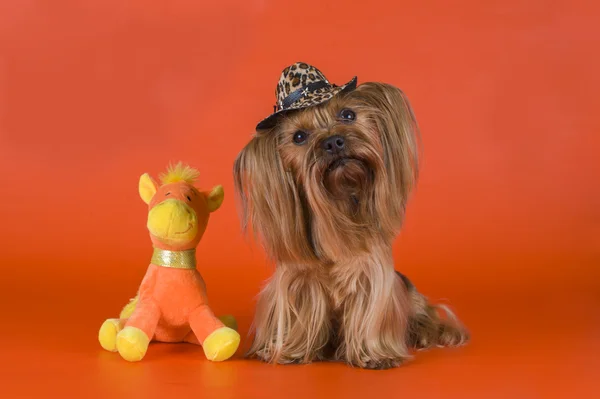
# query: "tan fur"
[[292, 320], [372, 307], [329, 229], [428, 328]]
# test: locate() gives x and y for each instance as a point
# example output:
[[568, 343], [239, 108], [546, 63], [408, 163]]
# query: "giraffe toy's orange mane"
[[179, 172]]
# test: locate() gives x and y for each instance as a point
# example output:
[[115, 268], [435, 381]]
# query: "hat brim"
[[309, 101]]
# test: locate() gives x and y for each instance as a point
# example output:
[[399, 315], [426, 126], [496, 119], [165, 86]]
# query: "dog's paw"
[[282, 358], [426, 333], [452, 336], [382, 364]]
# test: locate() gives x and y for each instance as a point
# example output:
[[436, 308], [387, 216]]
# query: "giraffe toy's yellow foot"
[[108, 334], [132, 344], [221, 344]]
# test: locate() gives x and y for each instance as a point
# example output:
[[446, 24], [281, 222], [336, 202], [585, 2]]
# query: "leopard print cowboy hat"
[[300, 86]]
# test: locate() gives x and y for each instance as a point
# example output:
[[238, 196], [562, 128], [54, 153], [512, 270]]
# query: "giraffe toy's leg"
[[227, 320], [133, 340], [111, 327], [218, 341]]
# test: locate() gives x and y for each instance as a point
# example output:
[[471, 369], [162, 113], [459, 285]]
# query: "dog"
[[323, 185]]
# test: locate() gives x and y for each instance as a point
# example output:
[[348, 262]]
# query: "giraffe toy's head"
[[178, 212]]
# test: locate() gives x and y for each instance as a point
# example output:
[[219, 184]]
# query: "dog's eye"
[[300, 137], [347, 115]]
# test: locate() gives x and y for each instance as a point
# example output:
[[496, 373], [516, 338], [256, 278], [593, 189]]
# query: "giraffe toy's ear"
[[215, 198], [147, 188]]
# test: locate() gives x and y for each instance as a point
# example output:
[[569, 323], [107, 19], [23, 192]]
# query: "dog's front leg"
[[292, 321], [372, 306]]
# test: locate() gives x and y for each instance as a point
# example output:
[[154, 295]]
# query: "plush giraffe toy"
[[171, 304]]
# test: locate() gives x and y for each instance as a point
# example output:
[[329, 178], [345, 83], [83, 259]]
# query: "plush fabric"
[[172, 304]]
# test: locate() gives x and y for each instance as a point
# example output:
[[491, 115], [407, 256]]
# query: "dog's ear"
[[269, 200], [399, 135]]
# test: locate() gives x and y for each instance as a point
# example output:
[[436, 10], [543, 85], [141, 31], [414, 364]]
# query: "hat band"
[[302, 92]]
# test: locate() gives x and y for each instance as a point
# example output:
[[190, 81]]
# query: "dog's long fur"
[[328, 222]]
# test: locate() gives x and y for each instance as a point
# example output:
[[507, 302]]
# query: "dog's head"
[[327, 180]]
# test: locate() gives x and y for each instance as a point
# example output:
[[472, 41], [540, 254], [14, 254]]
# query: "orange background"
[[504, 225]]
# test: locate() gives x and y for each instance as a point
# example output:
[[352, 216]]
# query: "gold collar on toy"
[[174, 259]]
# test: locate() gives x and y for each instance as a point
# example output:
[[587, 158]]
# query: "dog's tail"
[[432, 325]]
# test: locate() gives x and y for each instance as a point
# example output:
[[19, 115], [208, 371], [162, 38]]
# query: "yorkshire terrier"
[[324, 184]]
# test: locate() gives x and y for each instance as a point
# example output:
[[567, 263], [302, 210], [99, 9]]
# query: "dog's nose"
[[333, 144]]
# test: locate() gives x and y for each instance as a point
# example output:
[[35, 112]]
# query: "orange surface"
[[505, 224]]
